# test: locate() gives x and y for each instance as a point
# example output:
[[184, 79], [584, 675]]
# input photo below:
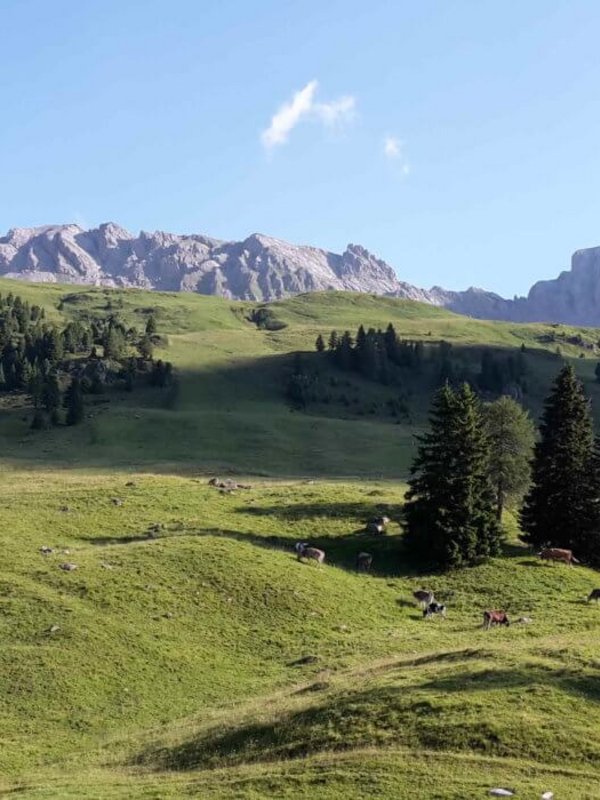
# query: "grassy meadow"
[[190, 654]]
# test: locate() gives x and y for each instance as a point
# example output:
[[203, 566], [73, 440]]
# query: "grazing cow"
[[594, 595], [305, 551], [424, 597], [558, 554], [491, 618], [434, 608], [363, 562], [374, 528]]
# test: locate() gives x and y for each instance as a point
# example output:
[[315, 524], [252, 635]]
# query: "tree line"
[[474, 456], [384, 357]]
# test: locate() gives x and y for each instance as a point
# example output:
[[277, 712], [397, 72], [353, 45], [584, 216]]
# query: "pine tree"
[[450, 512], [54, 345], [36, 385], [557, 508], [74, 403], [597, 372], [333, 341], [512, 434], [344, 351], [151, 325], [589, 544], [51, 396], [146, 348], [320, 344], [2, 379]]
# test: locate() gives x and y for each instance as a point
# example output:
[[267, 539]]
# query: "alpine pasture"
[[190, 654]]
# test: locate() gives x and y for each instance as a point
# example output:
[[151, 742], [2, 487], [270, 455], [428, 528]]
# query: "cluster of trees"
[[41, 359], [476, 455], [467, 464], [373, 353], [382, 356]]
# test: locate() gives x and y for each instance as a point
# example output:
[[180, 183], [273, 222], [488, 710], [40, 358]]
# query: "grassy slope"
[[174, 668], [231, 413], [172, 674]]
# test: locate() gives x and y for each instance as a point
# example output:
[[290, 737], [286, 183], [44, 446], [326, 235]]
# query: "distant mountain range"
[[262, 268]]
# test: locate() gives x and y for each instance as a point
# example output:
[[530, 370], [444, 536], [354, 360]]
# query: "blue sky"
[[458, 141]]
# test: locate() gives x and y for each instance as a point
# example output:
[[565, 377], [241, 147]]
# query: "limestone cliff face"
[[263, 268], [258, 268]]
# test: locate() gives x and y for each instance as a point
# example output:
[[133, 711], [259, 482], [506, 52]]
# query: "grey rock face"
[[263, 268], [258, 268]]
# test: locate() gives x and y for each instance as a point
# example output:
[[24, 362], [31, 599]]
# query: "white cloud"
[[303, 105], [393, 149], [336, 111]]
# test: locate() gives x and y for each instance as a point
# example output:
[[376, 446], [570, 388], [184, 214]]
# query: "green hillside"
[[231, 413], [190, 654]]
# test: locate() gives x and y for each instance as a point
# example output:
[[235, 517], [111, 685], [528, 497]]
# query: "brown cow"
[[558, 554], [363, 562], [594, 595], [491, 618]]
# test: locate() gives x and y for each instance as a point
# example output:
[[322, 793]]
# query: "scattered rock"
[[501, 792], [116, 501], [53, 628], [547, 795], [168, 615], [341, 628], [105, 565], [525, 620], [130, 484], [67, 567], [64, 509], [46, 550]]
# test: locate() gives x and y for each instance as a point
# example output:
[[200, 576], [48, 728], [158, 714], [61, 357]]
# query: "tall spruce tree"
[[74, 403], [450, 510], [589, 545], [557, 508]]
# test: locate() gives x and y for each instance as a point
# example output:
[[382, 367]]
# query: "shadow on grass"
[[340, 551], [391, 715], [361, 511]]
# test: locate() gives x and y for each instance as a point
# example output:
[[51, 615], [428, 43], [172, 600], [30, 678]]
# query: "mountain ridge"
[[264, 268]]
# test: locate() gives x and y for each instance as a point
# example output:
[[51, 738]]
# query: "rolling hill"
[[189, 654]]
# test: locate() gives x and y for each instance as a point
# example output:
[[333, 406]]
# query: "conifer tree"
[[51, 396], [589, 545], [146, 348], [450, 514], [2, 379], [333, 341], [151, 327], [320, 344], [344, 352], [557, 508], [74, 403]]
